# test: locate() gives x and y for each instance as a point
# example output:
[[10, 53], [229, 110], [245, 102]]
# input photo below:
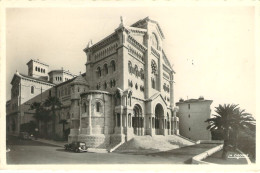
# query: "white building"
[[192, 116]]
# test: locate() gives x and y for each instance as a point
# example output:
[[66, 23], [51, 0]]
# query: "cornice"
[[136, 44]]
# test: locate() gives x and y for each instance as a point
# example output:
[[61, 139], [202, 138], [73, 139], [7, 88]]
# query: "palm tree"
[[41, 114], [52, 104], [229, 120]]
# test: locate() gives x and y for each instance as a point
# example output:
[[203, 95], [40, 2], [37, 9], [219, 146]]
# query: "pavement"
[[43, 151], [51, 142]]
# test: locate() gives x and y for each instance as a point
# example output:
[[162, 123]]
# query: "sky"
[[212, 49]]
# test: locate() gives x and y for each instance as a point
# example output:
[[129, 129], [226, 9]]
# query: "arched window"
[[98, 107], [105, 85], [99, 72], [36, 69], [153, 83], [85, 107], [43, 70], [32, 89], [136, 70], [113, 65], [154, 41], [130, 67], [154, 67], [105, 69], [142, 73]]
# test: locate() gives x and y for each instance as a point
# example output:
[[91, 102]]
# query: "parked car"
[[76, 147], [23, 135]]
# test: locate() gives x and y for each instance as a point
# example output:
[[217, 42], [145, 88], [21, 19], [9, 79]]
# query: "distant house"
[[192, 115]]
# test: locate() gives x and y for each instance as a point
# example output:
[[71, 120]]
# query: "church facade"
[[127, 89]]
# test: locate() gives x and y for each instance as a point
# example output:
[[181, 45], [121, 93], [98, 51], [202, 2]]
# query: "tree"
[[229, 120], [41, 115], [52, 104]]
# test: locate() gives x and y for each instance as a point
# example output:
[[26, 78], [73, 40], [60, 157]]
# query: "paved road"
[[33, 152]]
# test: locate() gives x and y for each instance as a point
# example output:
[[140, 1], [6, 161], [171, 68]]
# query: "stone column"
[[121, 125], [143, 126], [80, 129], [171, 91], [115, 120], [126, 120], [89, 115], [170, 125], [176, 121]]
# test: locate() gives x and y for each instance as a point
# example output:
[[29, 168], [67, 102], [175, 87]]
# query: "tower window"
[[32, 89], [189, 106], [99, 72], [105, 69], [153, 83], [113, 65], [97, 107]]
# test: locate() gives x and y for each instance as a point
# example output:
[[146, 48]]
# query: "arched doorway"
[[137, 119], [159, 122]]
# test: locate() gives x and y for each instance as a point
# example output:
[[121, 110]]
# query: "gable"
[[156, 97]]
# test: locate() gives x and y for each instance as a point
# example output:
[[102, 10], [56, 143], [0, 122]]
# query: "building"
[[192, 116], [26, 89], [127, 89]]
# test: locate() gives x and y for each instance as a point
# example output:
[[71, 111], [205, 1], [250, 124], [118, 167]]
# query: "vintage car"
[[24, 135], [76, 147]]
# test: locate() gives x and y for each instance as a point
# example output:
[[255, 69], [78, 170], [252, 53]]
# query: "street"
[[33, 152]]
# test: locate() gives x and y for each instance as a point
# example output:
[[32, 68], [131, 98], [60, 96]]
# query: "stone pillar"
[[89, 115], [176, 121], [169, 130], [80, 129], [121, 125], [116, 123], [126, 121], [142, 126], [171, 91]]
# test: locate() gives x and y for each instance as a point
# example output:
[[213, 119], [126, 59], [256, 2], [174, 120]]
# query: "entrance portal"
[[137, 120], [159, 122]]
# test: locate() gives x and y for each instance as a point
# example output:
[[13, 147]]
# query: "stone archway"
[[137, 120], [159, 119]]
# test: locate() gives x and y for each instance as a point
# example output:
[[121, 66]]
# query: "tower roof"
[[38, 61], [145, 20]]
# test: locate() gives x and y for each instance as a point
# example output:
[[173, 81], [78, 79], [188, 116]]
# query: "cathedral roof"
[[23, 76], [141, 22], [76, 80], [155, 96], [166, 60]]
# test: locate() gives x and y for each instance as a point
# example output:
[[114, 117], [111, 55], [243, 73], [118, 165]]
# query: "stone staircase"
[[151, 144]]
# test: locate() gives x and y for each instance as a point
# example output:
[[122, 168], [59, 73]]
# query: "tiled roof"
[[34, 78], [193, 100]]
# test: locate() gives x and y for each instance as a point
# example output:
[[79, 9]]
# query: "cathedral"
[[126, 91]]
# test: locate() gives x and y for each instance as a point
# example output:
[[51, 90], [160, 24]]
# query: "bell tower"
[[37, 69]]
